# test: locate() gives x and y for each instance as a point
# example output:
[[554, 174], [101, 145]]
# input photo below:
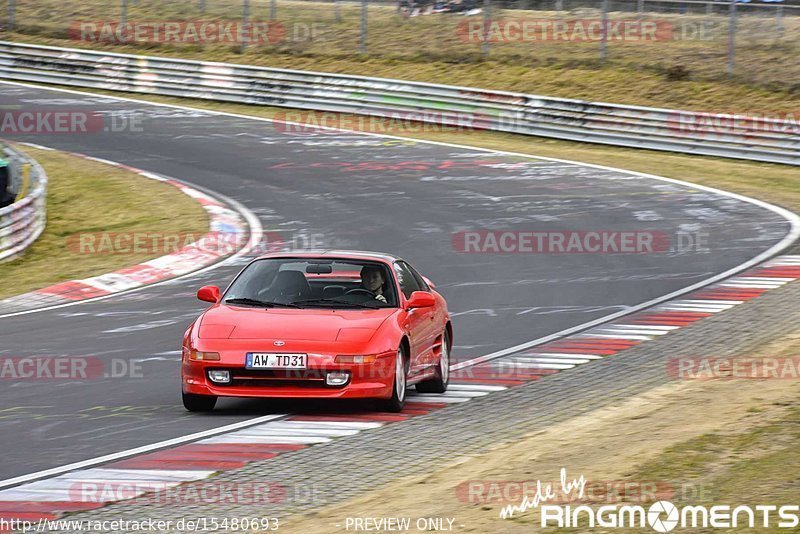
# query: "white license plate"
[[265, 360]]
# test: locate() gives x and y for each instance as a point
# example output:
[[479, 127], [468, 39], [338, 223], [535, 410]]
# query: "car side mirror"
[[420, 299], [208, 294], [428, 281]]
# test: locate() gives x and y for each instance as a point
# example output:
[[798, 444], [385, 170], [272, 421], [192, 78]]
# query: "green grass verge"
[[680, 73], [88, 196]]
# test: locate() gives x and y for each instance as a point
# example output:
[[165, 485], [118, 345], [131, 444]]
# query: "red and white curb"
[[223, 221], [612, 338], [139, 474], [90, 488]]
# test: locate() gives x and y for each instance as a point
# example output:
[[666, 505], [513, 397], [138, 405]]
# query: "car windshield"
[[313, 283]]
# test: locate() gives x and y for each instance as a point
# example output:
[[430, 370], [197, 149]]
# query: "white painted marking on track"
[[620, 336], [152, 475], [564, 355], [732, 302], [277, 440], [474, 387], [645, 332], [634, 327], [570, 361], [434, 398]]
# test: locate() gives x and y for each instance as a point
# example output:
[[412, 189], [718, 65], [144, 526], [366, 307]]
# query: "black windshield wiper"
[[337, 302], [264, 303]]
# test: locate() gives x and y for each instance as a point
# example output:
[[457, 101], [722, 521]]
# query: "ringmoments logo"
[[661, 516]]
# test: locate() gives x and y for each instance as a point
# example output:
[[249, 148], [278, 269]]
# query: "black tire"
[[439, 383], [398, 399], [199, 403]]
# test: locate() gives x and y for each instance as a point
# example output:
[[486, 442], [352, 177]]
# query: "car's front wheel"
[[398, 399], [199, 403], [438, 384]]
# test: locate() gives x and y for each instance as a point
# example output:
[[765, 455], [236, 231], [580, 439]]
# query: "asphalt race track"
[[338, 190]]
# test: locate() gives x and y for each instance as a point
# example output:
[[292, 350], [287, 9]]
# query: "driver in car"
[[372, 280]]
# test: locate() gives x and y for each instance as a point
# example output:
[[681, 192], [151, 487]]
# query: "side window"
[[423, 286], [408, 283]]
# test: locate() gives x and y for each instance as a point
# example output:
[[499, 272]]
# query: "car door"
[[417, 321], [435, 327]]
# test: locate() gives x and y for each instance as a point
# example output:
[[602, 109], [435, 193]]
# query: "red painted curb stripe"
[[27, 517], [13, 507], [377, 417], [179, 465]]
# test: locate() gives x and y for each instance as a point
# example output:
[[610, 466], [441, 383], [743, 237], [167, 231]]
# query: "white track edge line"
[[138, 450]]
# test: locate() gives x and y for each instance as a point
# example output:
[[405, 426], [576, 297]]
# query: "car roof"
[[343, 254]]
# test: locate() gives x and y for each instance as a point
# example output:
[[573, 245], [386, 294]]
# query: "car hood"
[[232, 322]]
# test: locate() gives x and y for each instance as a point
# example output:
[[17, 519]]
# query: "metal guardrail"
[[769, 140], [22, 222]]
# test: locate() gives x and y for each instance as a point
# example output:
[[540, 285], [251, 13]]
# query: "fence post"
[[604, 31], [362, 45], [487, 21], [731, 39], [245, 33], [12, 14], [123, 19]]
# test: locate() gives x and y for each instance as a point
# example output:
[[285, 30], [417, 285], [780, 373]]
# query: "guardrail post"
[[12, 14], [604, 32], [487, 21], [362, 43], [731, 39], [245, 33]]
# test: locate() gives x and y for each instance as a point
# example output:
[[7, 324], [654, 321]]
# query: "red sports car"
[[334, 324]]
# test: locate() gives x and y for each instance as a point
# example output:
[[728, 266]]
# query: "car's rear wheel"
[[438, 384], [398, 399], [199, 403]]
